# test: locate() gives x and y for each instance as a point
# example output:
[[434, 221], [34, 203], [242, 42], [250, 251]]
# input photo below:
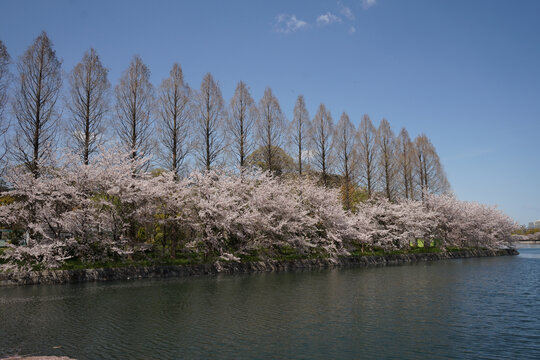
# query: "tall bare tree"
[[386, 142], [209, 122], [39, 84], [345, 146], [270, 127], [431, 176], [174, 113], [88, 103], [5, 59], [322, 130], [241, 120], [405, 157], [300, 128], [134, 100], [366, 139]]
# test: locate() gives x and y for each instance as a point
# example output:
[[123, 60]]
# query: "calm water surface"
[[472, 308]]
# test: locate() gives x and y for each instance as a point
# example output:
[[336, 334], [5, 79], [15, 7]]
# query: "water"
[[484, 308]]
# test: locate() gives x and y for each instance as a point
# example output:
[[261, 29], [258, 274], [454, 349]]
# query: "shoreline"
[[171, 271]]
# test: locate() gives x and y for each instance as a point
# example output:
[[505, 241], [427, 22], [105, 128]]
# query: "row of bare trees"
[[177, 123]]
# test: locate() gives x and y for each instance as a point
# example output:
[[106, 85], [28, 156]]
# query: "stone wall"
[[131, 273]]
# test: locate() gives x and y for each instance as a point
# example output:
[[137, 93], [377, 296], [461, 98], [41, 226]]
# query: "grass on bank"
[[283, 254], [279, 253]]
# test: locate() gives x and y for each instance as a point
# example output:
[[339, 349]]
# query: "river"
[[484, 308]]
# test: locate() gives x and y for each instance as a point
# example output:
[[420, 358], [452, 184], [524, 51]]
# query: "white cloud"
[[286, 23], [347, 12], [328, 18], [366, 4], [352, 30]]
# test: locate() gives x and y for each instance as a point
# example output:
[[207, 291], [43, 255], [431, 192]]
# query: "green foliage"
[[376, 251], [284, 163], [281, 253], [250, 256], [141, 234], [423, 250], [421, 243], [287, 253], [6, 200], [152, 259], [359, 195], [15, 236], [157, 172], [368, 251], [354, 193], [526, 231]]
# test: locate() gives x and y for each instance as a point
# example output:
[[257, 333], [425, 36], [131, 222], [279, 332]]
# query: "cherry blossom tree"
[[398, 225], [470, 224], [108, 211]]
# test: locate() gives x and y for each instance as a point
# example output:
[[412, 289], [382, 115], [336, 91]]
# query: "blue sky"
[[465, 72]]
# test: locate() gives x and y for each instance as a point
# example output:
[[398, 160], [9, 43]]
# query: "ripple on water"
[[471, 309]]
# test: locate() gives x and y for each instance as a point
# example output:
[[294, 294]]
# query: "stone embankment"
[[131, 273]]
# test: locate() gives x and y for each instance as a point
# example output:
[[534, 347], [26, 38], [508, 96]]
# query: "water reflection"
[[471, 308]]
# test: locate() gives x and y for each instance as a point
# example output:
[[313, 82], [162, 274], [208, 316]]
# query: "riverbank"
[[168, 271], [528, 242]]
